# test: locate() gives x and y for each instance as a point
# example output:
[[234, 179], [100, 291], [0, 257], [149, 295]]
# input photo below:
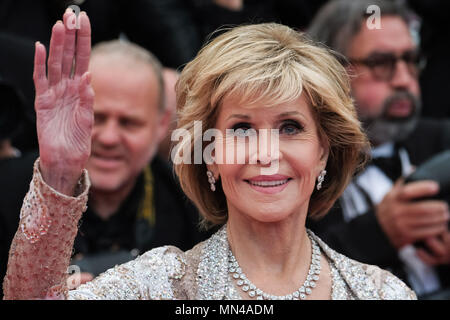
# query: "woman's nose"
[[267, 149]]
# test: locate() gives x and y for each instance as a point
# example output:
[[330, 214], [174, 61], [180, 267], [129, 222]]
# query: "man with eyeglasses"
[[379, 219]]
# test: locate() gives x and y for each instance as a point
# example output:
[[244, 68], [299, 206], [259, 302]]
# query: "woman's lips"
[[269, 184]]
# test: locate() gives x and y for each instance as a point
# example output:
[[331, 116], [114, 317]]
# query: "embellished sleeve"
[[150, 276], [42, 246], [389, 286]]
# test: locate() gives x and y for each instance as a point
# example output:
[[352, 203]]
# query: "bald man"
[[134, 202]]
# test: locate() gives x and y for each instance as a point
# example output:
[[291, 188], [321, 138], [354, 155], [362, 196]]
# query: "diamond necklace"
[[300, 294]]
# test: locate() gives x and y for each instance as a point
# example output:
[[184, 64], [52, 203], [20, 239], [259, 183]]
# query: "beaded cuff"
[[41, 249], [35, 218]]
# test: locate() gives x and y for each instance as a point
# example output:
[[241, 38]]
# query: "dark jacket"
[[362, 237]]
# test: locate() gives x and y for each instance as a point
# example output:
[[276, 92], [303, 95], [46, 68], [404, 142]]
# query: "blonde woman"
[[249, 79]]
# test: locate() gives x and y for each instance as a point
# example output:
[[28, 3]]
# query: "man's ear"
[[167, 116], [165, 120]]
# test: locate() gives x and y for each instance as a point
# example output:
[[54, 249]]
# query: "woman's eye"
[[291, 127], [241, 125], [243, 129]]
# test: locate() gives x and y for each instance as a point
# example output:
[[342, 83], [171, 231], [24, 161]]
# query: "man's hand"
[[406, 221], [440, 249], [63, 103]]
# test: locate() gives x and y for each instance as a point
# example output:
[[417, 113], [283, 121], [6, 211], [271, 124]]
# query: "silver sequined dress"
[[162, 273]]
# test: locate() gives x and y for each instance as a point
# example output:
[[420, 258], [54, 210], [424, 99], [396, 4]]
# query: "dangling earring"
[[211, 180], [320, 179]]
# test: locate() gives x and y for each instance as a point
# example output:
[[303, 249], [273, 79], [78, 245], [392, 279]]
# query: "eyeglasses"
[[383, 65]]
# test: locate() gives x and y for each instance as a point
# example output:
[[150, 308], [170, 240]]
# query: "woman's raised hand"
[[64, 102]]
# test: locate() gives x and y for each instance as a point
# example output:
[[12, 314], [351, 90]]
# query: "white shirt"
[[376, 184]]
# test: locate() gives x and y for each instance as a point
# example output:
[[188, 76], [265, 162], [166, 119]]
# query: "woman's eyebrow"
[[281, 115], [289, 113], [239, 116], [292, 113]]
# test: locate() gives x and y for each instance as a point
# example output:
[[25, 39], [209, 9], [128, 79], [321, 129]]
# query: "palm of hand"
[[64, 98], [63, 124]]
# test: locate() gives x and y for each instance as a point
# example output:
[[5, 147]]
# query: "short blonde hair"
[[273, 64]]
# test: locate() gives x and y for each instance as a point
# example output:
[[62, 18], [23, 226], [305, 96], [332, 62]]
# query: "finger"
[[83, 49], [428, 221], [446, 239], [396, 189], [86, 277], [434, 209], [73, 281], [437, 247], [419, 189], [426, 257], [56, 53], [428, 231], [69, 19], [39, 73], [86, 92]]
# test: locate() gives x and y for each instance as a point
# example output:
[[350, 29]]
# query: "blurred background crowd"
[[174, 31]]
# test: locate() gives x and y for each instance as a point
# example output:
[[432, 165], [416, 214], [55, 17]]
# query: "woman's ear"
[[324, 152], [213, 168], [209, 156]]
